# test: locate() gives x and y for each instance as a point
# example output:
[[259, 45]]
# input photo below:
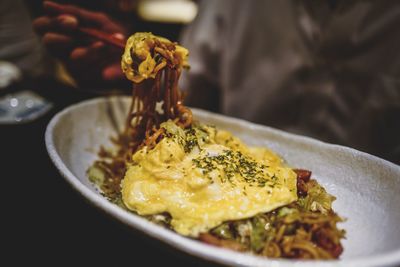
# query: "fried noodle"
[[305, 229]]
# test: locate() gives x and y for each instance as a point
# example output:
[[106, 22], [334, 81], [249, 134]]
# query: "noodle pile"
[[304, 229]]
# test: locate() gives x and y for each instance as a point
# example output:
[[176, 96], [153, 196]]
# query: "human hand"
[[91, 62]]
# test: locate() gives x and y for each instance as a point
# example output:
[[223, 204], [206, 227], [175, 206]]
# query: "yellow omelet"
[[203, 177]]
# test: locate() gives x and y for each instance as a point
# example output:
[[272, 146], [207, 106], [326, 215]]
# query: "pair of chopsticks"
[[102, 36]]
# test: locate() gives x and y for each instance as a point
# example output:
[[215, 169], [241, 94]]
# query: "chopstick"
[[102, 36]]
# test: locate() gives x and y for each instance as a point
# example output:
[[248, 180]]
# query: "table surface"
[[47, 223]]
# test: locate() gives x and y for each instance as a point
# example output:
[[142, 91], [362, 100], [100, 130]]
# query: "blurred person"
[[19, 45], [325, 69]]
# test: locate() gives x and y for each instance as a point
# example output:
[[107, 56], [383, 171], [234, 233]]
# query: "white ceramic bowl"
[[367, 188]]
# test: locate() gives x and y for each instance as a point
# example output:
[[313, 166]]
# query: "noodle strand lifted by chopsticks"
[[154, 65]]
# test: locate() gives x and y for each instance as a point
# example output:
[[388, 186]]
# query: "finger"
[[57, 44], [79, 54], [67, 22], [52, 38], [62, 23], [86, 62], [87, 55], [112, 72], [42, 24], [80, 13]]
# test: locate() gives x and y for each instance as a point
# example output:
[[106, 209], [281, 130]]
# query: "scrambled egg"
[[203, 177]]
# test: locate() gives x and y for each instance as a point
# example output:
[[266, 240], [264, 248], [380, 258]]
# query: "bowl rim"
[[193, 247]]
